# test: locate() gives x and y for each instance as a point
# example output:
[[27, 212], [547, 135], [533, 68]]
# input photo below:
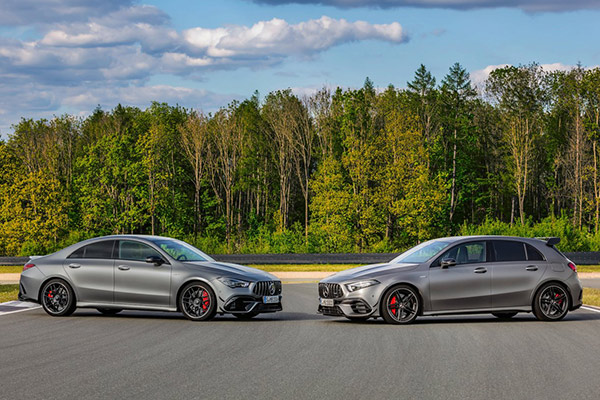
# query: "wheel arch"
[[409, 284], [555, 281], [192, 280], [50, 278]]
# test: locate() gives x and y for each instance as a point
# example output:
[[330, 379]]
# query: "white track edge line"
[[590, 309], [16, 311]]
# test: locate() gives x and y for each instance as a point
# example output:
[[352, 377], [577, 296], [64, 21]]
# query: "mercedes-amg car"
[[457, 275], [114, 273]]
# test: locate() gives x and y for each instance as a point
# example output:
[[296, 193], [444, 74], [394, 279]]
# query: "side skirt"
[[477, 311], [125, 306]]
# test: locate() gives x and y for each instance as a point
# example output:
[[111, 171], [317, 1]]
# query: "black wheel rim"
[[56, 297], [554, 302], [196, 301], [402, 305]]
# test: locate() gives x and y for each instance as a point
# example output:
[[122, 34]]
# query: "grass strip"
[[11, 269], [588, 268], [8, 292], [304, 267], [591, 297]]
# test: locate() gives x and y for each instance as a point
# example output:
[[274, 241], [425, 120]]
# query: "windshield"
[[181, 251], [422, 252]]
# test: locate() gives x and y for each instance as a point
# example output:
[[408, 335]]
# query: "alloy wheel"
[[553, 302], [402, 305], [196, 302], [56, 298]]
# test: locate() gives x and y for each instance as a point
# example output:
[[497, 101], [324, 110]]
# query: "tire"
[[57, 298], [197, 302], [400, 305], [551, 302], [504, 315], [247, 316], [109, 311], [357, 319]]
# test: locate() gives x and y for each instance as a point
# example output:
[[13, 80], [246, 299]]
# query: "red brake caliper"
[[392, 302], [557, 295], [205, 301], [50, 293]]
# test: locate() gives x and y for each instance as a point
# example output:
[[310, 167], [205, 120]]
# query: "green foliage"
[[354, 170]]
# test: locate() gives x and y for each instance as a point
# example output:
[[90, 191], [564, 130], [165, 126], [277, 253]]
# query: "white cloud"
[[98, 50], [277, 37], [91, 53]]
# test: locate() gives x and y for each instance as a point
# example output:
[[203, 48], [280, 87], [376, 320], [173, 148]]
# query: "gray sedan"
[[113, 273], [458, 275]]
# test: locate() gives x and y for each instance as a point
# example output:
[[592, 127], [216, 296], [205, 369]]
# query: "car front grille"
[[330, 290], [267, 288]]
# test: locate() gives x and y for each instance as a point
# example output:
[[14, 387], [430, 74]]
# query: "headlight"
[[233, 283], [361, 285]]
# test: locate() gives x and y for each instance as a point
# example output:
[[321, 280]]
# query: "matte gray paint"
[[504, 286], [136, 285]]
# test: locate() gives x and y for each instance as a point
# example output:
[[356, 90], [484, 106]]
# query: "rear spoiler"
[[550, 241]]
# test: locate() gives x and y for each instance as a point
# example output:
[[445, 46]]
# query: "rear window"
[[95, 250], [533, 254], [509, 251]]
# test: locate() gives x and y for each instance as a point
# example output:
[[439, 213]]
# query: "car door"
[[464, 286], [516, 271], [138, 282], [90, 269]]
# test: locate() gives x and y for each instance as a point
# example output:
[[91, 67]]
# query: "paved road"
[[296, 354]]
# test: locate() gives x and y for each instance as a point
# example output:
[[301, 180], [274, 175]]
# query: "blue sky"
[[68, 56]]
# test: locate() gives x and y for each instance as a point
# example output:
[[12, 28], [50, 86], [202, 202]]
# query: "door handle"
[[74, 266], [123, 267], [532, 268], [480, 270]]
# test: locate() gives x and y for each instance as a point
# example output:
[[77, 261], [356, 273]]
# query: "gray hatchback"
[[457, 275], [113, 273]]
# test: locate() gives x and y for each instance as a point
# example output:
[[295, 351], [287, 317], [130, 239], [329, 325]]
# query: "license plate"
[[327, 302], [270, 299]]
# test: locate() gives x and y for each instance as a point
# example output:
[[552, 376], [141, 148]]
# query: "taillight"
[[572, 266], [27, 266]]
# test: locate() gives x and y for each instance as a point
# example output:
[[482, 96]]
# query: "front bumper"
[[350, 307], [248, 304], [359, 303]]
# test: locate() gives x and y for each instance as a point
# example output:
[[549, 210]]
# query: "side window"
[[136, 251], [508, 250], [95, 250], [467, 253], [99, 249], [533, 254]]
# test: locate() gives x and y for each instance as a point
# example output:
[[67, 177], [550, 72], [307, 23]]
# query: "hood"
[[370, 271], [234, 270]]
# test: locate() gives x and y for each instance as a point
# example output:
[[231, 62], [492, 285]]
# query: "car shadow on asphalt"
[[474, 319], [283, 316]]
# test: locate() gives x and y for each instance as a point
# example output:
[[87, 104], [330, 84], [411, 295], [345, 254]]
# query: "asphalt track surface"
[[297, 354]]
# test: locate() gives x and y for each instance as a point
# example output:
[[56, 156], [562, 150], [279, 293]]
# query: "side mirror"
[[157, 261], [447, 262]]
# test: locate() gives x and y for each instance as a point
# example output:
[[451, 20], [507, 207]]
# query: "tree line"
[[340, 170]]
